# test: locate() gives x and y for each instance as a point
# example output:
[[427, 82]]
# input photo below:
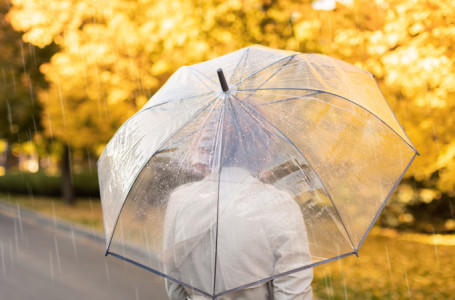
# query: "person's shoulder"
[[275, 197], [182, 192]]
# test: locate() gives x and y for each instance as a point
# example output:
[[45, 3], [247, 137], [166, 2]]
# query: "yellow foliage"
[[116, 53]]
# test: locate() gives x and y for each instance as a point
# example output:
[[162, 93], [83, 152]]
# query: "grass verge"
[[86, 211]]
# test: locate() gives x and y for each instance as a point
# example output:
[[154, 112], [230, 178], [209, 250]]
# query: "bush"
[[85, 184]]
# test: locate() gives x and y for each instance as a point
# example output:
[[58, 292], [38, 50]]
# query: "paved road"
[[43, 259]]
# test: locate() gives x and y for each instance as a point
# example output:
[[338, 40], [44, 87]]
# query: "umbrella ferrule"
[[223, 83]]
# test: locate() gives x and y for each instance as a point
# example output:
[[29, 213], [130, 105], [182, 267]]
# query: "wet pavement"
[[41, 258]]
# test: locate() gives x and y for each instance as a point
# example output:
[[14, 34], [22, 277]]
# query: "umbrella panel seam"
[[196, 72], [264, 68], [218, 193], [244, 59]]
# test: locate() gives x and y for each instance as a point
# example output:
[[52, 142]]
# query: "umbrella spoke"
[[197, 73], [243, 59], [289, 58]]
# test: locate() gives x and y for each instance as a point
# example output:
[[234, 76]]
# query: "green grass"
[[86, 211], [391, 265]]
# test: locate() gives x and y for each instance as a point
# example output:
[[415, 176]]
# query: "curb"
[[24, 214]]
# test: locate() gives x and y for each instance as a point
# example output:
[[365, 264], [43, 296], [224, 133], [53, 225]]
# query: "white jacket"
[[261, 234]]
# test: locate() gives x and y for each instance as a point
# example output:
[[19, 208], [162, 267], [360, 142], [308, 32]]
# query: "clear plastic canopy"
[[288, 169]]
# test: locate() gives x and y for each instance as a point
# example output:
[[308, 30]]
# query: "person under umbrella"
[[262, 226], [302, 156]]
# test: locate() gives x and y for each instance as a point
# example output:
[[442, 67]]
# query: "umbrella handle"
[[224, 85]]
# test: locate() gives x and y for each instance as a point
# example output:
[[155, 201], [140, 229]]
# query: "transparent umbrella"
[[228, 178]]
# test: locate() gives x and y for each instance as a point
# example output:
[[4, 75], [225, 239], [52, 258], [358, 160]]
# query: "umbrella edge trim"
[[158, 273], [286, 273], [386, 200]]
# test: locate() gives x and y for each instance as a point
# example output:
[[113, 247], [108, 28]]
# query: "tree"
[[115, 54], [20, 80], [409, 46]]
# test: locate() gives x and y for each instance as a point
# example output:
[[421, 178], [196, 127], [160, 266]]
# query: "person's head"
[[244, 143]]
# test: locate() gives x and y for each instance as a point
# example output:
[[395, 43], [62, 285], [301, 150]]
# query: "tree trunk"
[[67, 180], [10, 161]]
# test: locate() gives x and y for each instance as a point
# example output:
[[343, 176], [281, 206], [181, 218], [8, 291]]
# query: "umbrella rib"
[[243, 58], [283, 136], [218, 190], [385, 201], [347, 99], [158, 148], [209, 79], [288, 99], [179, 99], [183, 138], [271, 76], [268, 66]]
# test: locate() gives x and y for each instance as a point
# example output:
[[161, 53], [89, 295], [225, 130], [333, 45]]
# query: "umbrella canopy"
[[278, 162]]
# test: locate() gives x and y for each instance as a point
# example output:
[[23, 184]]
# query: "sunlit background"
[[72, 71]]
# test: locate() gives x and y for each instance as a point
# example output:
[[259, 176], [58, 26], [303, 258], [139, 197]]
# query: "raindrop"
[[30, 193], [148, 246], [328, 284], [108, 276], [74, 243], [35, 129], [19, 218], [53, 215], [388, 262], [137, 292], [436, 248], [407, 283], [58, 255], [32, 53], [3, 260], [10, 117], [14, 79], [16, 239], [345, 288], [62, 104]]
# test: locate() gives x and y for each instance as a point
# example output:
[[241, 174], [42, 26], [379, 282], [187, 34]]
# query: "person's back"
[[260, 234]]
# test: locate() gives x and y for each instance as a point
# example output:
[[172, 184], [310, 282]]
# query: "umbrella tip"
[[223, 83]]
